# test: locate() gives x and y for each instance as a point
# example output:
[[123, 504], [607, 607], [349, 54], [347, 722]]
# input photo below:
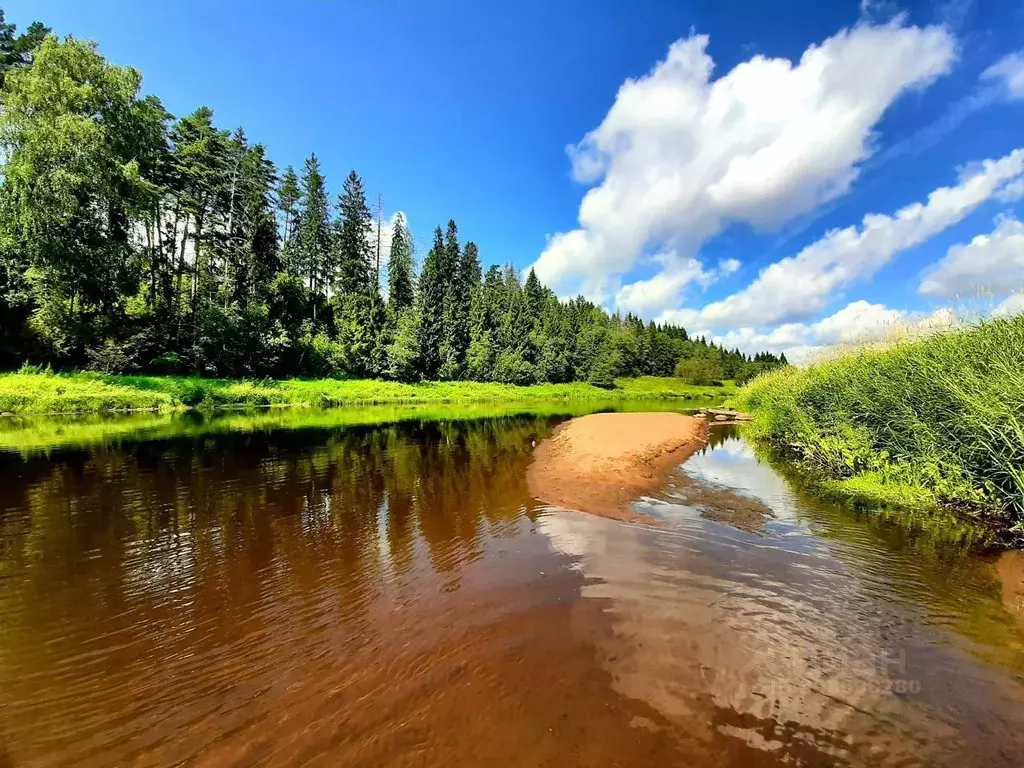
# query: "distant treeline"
[[131, 240]]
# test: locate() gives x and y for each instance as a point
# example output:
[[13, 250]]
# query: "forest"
[[132, 240]]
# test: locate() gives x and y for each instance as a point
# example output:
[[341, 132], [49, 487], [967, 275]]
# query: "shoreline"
[[600, 463], [46, 393]]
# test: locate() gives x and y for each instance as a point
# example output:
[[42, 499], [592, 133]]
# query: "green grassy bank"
[[49, 393], [936, 421]]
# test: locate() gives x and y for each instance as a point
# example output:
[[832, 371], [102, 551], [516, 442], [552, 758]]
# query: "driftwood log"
[[723, 414]]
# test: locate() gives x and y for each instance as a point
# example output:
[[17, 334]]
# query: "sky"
[[775, 175]]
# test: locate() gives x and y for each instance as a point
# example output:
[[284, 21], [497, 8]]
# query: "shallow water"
[[317, 592]]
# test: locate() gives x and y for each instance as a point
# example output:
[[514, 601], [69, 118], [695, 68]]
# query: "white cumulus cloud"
[[1014, 305], [1009, 70], [856, 322], [798, 287], [989, 264], [680, 155]]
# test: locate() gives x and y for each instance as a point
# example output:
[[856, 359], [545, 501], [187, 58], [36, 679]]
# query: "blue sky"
[[747, 132]]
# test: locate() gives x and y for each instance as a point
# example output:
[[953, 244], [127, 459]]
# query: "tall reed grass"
[[913, 422]]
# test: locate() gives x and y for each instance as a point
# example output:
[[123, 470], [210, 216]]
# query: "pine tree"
[[400, 268], [353, 243], [313, 235]]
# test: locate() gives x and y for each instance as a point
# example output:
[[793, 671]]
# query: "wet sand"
[[601, 462]]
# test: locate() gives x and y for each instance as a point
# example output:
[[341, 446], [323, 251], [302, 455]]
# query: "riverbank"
[[601, 462], [914, 423], [50, 393], [32, 435]]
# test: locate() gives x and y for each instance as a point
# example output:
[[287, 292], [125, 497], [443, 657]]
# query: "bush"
[[512, 368], [168, 362], [110, 357], [326, 357], [602, 373], [700, 372]]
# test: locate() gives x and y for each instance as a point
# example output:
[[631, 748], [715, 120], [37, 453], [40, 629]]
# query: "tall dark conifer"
[[313, 235], [289, 199], [534, 293], [259, 258], [432, 307], [456, 308], [353, 240], [400, 269]]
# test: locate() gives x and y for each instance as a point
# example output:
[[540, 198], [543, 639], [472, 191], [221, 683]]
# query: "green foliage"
[[289, 197], [16, 51], [133, 241], [915, 422], [459, 274], [70, 130], [403, 352], [699, 371], [326, 357], [512, 368], [602, 372]]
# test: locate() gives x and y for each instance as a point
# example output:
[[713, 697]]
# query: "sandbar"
[[601, 462]]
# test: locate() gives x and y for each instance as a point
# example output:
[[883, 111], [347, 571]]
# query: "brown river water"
[[318, 593]]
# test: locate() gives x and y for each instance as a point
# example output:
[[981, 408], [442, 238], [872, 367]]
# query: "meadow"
[[916, 423], [40, 391]]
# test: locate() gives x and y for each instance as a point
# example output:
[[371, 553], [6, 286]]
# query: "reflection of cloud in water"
[[781, 644], [732, 464]]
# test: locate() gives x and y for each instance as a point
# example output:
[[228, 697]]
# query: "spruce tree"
[[259, 257], [289, 200], [313, 241], [353, 243], [400, 268], [432, 295], [462, 271], [534, 293], [480, 354]]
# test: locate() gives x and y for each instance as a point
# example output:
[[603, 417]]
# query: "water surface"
[[316, 590]]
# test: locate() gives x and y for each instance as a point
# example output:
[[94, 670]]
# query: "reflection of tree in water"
[[167, 535], [719, 435]]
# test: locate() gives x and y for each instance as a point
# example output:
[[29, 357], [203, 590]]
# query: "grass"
[[914, 423], [43, 392]]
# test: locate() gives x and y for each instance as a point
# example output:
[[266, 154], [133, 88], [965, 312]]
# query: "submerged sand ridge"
[[601, 462]]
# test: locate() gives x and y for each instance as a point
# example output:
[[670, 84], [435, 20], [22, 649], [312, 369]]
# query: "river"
[[326, 589]]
